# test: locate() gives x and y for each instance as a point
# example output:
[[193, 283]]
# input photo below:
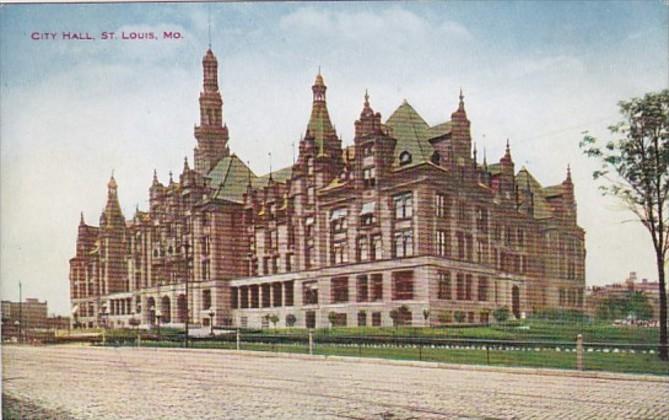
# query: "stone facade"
[[403, 226]]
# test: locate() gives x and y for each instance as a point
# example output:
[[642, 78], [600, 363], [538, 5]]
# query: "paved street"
[[86, 382]]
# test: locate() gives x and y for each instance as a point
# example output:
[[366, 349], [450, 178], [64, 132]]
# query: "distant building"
[[595, 295], [405, 220], [58, 322], [31, 314]]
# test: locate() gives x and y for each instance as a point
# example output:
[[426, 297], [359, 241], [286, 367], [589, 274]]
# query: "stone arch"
[[515, 301], [151, 311], [165, 310], [181, 309]]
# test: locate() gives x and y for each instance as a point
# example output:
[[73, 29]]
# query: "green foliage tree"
[[635, 166], [332, 317], [633, 305], [501, 314], [459, 316], [290, 320], [274, 318]]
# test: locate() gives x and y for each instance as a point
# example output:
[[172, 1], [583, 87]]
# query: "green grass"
[[594, 361], [528, 330]]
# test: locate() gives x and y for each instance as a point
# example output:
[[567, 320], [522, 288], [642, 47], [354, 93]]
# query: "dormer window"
[[367, 150], [369, 177], [405, 158], [436, 159]]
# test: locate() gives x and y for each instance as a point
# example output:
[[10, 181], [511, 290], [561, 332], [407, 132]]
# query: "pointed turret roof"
[[320, 126], [112, 214]]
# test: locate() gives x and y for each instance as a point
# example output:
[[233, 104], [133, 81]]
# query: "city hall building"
[[404, 226]]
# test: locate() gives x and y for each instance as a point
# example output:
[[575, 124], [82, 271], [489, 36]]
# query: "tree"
[[459, 316], [635, 166], [426, 314], [632, 305], [274, 318], [501, 314], [290, 320], [332, 317]]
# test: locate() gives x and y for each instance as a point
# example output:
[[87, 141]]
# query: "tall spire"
[[320, 126], [81, 219], [568, 173], [211, 134], [112, 214], [186, 167], [461, 104]]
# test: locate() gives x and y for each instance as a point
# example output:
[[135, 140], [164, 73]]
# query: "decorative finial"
[[485, 159], [475, 151], [81, 219], [568, 172], [366, 98], [186, 167], [209, 22], [171, 180], [270, 165]]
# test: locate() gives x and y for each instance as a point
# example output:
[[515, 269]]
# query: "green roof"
[[319, 125], [439, 130], [281, 175], [411, 132], [231, 177], [542, 210], [553, 190]]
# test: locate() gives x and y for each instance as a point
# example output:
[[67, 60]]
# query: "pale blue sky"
[[538, 73]]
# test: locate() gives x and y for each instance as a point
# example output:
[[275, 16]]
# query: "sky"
[[73, 111]]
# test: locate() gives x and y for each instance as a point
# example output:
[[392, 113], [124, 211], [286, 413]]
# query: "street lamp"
[[186, 247], [211, 322], [158, 315]]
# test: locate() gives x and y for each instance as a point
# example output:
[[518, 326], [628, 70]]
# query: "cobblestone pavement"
[[147, 383]]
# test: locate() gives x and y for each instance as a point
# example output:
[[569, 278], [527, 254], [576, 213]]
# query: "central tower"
[[211, 134]]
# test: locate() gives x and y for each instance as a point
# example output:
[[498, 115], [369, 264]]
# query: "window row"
[[464, 287]]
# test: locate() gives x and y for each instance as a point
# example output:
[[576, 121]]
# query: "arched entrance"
[[151, 311], [165, 310], [515, 301], [181, 309]]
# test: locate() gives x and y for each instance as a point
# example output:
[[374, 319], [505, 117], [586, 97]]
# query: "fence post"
[[311, 342], [579, 352], [238, 340]]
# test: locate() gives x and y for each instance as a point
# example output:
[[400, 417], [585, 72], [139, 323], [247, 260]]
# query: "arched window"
[[405, 158]]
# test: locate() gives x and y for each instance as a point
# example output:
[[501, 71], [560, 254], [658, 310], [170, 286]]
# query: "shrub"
[[332, 317], [501, 314], [290, 320], [459, 316], [445, 317]]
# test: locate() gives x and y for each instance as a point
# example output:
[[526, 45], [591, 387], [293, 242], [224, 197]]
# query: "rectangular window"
[[404, 243], [255, 296], [289, 288], [276, 294], [469, 279], [444, 285], [244, 294], [442, 243], [470, 317], [369, 177], [339, 289], [206, 299], [521, 237], [482, 220], [362, 289], [403, 206], [363, 249], [339, 320], [484, 317], [338, 220], [289, 262], [483, 289], [460, 286], [460, 237], [266, 297], [377, 287], [462, 213], [562, 297], [403, 285], [376, 248], [376, 319], [441, 205], [362, 319], [469, 245], [310, 293], [339, 252]]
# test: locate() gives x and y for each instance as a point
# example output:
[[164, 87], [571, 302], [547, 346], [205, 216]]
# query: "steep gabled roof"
[[542, 210], [230, 177], [439, 130], [411, 132]]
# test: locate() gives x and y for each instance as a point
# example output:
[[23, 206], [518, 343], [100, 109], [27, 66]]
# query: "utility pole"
[[20, 312], [186, 247]]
